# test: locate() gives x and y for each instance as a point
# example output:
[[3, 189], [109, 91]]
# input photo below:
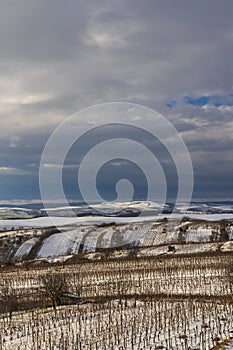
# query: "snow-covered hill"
[[14, 213], [75, 239], [119, 209], [28, 233]]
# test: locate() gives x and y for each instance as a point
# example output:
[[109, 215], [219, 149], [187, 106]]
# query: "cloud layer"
[[57, 58]]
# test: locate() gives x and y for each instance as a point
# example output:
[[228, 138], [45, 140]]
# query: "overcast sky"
[[58, 57]]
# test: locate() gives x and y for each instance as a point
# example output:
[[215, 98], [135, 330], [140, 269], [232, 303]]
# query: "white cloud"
[[118, 163], [12, 171], [95, 52], [60, 166]]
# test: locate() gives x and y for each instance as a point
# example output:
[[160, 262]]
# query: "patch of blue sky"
[[197, 101], [171, 103], [225, 100], [215, 100]]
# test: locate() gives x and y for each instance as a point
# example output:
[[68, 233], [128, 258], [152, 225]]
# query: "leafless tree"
[[54, 286], [8, 297]]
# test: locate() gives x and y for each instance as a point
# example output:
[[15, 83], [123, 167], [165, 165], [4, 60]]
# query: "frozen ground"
[[87, 220], [35, 239]]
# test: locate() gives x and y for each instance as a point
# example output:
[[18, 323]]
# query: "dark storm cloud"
[[59, 57]]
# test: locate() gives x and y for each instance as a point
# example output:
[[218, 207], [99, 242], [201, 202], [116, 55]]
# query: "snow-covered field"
[[176, 304], [103, 212], [122, 325], [88, 220], [163, 297], [70, 238]]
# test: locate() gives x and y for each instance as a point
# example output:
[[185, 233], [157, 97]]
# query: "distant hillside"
[[52, 243], [114, 209]]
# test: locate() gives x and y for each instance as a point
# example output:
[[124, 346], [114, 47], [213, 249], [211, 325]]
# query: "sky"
[[57, 58]]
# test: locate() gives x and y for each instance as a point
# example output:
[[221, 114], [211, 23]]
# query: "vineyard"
[[139, 303]]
